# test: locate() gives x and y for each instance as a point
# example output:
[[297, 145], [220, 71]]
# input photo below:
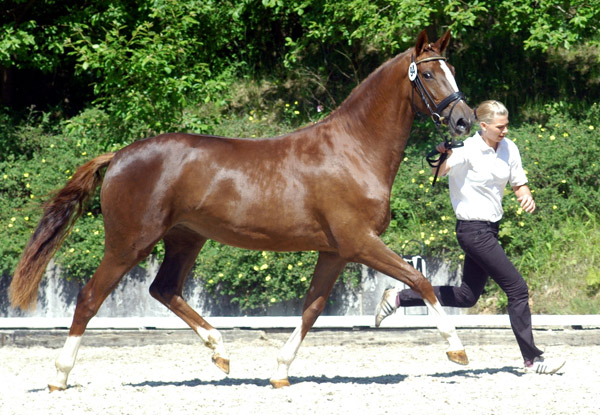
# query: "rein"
[[434, 111]]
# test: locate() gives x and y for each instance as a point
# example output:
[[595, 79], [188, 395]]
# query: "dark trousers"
[[485, 257]]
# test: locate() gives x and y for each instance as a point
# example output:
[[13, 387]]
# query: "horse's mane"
[[363, 94]]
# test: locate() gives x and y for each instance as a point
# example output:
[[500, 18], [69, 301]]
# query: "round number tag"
[[412, 71]]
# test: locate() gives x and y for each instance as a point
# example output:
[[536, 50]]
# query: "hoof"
[[458, 356], [53, 388], [282, 383], [221, 363]]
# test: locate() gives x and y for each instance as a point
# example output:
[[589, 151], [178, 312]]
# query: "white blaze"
[[449, 75]]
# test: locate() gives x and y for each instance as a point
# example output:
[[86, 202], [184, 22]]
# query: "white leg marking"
[[449, 75], [66, 361], [446, 328], [287, 354], [213, 340]]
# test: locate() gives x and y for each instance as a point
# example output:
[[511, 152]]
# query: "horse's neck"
[[378, 117]]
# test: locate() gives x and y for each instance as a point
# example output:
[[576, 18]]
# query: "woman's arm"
[[525, 198]]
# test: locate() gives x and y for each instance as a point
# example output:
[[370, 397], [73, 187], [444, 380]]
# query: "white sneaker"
[[543, 366], [386, 307]]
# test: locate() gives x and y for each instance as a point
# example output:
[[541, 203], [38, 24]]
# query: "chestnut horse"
[[325, 187]]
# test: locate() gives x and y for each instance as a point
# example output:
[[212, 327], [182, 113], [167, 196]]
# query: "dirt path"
[[336, 372]]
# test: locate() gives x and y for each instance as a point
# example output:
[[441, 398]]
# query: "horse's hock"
[[57, 296]]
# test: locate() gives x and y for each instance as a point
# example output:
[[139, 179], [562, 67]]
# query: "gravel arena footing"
[[360, 371]]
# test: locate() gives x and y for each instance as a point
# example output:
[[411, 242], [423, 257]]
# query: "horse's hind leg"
[[181, 249], [376, 255], [90, 298], [328, 268]]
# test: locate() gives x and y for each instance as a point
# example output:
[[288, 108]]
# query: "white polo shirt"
[[478, 176]]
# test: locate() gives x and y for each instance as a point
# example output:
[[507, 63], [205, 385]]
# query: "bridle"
[[417, 84], [434, 110]]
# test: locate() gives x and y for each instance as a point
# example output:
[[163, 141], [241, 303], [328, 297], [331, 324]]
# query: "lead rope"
[[437, 162]]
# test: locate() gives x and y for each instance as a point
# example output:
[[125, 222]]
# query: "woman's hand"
[[525, 198], [443, 170], [441, 148]]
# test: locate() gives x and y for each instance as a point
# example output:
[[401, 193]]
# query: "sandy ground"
[[335, 372]]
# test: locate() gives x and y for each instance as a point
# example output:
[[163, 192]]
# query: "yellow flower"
[[520, 211], [565, 134], [26, 218], [273, 300], [591, 127], [240, 275], [220, 274], [554, 207], [72, 250], [421, 171], [299, 263], [264, 266], [13, 219], [255, 268], [268, 278], [290, 267], [552, 138], [303, 279], [25, 174]]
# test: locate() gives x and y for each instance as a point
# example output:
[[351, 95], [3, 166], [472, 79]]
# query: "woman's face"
[[495, 131]]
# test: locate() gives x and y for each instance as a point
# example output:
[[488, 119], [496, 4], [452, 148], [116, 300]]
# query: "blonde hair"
[[488, 110]]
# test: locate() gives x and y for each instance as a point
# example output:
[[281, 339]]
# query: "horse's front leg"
[[328, 268], [376, 255]]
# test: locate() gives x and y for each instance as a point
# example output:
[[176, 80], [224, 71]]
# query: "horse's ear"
[[422, 42], [443, 42]]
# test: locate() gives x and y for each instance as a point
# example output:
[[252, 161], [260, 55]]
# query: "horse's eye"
[[427, 75]]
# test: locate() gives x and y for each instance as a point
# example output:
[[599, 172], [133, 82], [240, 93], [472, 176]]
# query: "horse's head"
[[435, 89]]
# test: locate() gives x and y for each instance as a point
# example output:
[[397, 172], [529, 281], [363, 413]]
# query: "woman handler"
[[478, 173]]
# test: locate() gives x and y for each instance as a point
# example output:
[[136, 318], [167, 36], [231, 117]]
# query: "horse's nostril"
[[463, 125]]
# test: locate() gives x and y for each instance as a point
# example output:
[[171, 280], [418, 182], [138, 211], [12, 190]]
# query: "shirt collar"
[[484, 148]]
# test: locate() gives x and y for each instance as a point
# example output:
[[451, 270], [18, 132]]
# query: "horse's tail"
[[60, 214]]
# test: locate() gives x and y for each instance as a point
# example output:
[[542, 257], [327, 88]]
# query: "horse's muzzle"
[[461, 119]]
